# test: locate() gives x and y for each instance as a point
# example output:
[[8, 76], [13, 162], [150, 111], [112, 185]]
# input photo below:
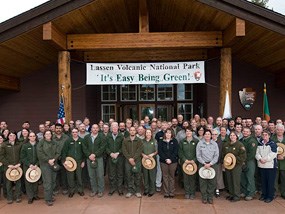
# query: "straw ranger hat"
[[281, 149], [190, 168], [230, 161], [148, 163], [14, 174], [33, 175], [209, 173], [70, 164]]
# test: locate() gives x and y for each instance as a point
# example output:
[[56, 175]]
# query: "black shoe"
[[234, 199], [210, 201], [121, 193], [30, 201], [204, 201], [229, 197], [261, 198], [81, 193], [49, 203], [36, 198], [71, 195], [268, 200], [166, 196], [171, 196], [145, 193], [53, 200], [150, 195]]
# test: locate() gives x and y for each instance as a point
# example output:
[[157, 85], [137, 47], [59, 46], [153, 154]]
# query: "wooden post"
[[64, 82], [225, 78]]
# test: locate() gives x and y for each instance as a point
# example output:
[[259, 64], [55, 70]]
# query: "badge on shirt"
[[79, 142], [253, 144], [234, 148], [151, 143], [243, 148], [193, 144]]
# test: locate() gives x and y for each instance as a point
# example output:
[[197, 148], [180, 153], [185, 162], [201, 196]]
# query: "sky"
[[11, 8]]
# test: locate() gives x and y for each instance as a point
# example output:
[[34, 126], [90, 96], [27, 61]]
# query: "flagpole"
[[264, 91]]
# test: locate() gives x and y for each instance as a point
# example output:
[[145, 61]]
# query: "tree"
[[261, 3]]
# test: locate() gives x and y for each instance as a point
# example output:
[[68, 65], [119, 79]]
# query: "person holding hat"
[[132, 149], [10, 158], [187, 155], [149, 153], [94, 148], [248, 169], [234, 156], [73, 148], [207, 153], [61, 177], [114, 141], [279, 139], [29, 158], [266, 154], [48, 153], [168, 157]]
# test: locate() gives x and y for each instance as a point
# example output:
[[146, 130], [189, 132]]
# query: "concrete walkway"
[[155, 205]]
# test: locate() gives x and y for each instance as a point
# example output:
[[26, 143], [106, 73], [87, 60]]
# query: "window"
[[164, 92], [108, 111], [109, 93], [146, 92], [184, 91], [186, 109], [128, 93]]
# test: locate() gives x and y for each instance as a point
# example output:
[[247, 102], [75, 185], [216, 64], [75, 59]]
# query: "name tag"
[[72, 143], [29, 148]]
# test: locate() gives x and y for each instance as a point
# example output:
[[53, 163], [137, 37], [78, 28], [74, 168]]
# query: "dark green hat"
[[55, 167], [114, 160], [93, 164]]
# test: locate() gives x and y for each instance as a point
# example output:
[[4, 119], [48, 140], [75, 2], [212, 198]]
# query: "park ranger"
[[29, 158], [248, 169], [114, 141], [73, 147], [94, 148], [187, 154], [132, 149]]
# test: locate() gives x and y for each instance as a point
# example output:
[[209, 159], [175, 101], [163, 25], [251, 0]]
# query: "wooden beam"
[[145, 55], [64, 82], [9, 83], [143, 17], [225, 78], [144, 40], [234, 32], [52, 34]]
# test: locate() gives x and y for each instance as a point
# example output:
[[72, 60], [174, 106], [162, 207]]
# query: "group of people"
[[237, 155]]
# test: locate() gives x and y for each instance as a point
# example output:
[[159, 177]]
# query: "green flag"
[[266, 113]]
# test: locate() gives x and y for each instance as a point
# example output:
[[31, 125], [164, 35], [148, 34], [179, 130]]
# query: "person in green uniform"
[[61, 178], [48, 154], [2, 172], [94, 148], [10, 157], [73, 147], [114, 141], [29, 158], [248, 169], [132, 149], [280, 177], [149, 175], [233, 176], [187, 154]]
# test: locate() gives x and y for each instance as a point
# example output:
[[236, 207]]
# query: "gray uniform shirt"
[[207, 152]]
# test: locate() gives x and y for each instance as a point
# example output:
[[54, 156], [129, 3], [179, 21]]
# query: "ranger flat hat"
[[70, 164], [190, 168], [148, 163], [230, 161], [33, 175], [14, 174], [205, 173], [281, 149]]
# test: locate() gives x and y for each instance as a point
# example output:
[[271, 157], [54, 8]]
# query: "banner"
[[145, 73]]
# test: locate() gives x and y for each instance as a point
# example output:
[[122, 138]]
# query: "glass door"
[[129, 111], [164, 112], [147, 110]]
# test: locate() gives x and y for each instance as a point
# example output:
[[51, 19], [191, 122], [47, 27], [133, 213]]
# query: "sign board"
[[145, 73]]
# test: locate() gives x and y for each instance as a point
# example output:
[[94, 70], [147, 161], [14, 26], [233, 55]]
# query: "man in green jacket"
[[61, 179], [94, 148], [114, 141], [248, 171], [132, 149], [73, 147]]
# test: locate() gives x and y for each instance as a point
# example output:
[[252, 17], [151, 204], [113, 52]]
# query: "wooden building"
[[44, 51]]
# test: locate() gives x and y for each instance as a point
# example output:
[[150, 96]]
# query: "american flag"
[[61, 113]]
